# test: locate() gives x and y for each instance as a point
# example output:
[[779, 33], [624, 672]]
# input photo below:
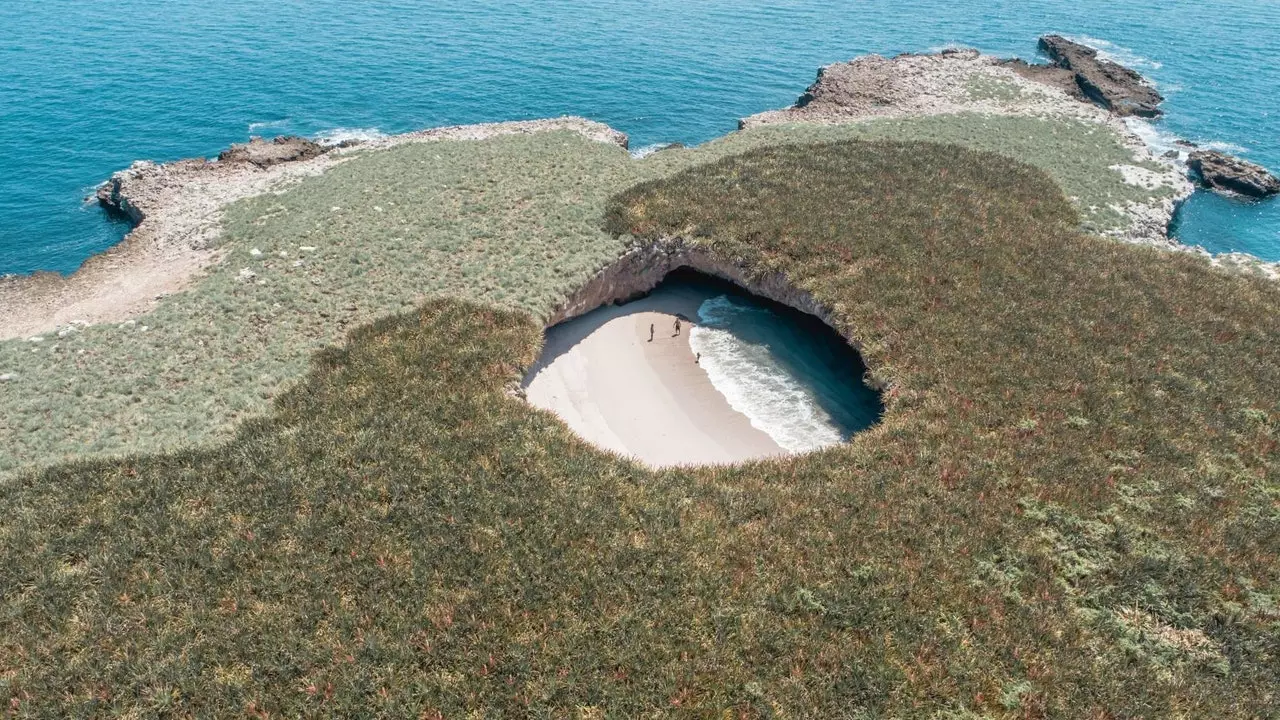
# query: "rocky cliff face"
[[1079, 71], [1229, 174], [246, 169]]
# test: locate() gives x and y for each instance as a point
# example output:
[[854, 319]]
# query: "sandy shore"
[[649, 400]]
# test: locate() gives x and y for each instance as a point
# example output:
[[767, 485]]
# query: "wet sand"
[[647, 400]]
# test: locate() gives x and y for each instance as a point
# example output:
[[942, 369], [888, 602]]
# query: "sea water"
[[792, 376], [87, 89]]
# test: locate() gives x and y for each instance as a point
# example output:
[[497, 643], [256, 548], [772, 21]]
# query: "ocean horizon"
[[89, 93]]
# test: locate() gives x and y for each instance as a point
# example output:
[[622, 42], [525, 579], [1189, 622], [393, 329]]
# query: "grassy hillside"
[[1069, 510], [512, 222]]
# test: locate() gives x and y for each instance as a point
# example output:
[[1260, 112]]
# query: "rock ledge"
[[1230, 174], [1079, 71]]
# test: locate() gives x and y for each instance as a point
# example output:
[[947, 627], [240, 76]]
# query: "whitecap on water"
[[257, 127], [338, 136], [753, 380], [648, 150], [1108, 50], [1161, 141]]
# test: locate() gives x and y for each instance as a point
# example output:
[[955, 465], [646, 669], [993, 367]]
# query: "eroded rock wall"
[[642, 268]]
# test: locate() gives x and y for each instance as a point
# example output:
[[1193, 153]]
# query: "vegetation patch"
[[512, 221], [1070, 508], [982, 86]]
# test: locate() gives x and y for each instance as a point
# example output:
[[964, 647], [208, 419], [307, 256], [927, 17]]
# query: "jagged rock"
[[858, 87], [1225, 173], [1114, 86], [264, 153], [109, 197], [1079, 71]]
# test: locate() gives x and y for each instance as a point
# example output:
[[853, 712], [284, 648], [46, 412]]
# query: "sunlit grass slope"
[[513, 221], [1069, 509]]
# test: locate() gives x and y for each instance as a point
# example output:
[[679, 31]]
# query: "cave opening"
[[699, 370]]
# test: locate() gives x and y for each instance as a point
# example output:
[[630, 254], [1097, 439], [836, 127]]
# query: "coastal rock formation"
[[913, 85], [265, 153], [643, 267], [966, 82], [1079, 71], [177, 209], [1222, 172]]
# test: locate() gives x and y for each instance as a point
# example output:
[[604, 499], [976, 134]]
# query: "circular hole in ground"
[[742, 377]]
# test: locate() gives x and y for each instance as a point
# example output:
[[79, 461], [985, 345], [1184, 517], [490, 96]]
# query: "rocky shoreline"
[[1078, 71], [1076, 85], [965, 81], [176, 207]]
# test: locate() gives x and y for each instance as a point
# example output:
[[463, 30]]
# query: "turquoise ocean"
[[87, 88]]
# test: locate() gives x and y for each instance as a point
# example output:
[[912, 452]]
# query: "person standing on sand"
[[677, 326], [697, 360], [650, 332]]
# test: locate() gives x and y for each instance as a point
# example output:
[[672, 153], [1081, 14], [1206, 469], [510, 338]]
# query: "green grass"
[[512, 221], [1069, 509], [981, 86]]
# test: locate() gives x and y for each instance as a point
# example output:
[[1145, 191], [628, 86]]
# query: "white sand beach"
[[647, 400]]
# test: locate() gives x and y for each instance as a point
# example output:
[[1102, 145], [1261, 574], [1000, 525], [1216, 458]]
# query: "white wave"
[[755, 385], [1161, 141], [648, 150], [1108, 50], [1222, 146], [1157, 139], [340, 135], [937, 49], [256, 126]]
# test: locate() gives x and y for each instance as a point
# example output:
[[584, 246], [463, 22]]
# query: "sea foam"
[[754, 382], [257, 127], [338, 136], [1108, 50], [648, 150]]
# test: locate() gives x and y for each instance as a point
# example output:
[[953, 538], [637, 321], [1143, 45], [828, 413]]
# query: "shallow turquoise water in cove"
[[794, 378], [89, 88]]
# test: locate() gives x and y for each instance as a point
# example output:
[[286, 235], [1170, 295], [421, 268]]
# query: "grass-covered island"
[[306, 484]]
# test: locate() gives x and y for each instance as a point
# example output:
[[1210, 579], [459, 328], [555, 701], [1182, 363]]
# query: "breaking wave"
[[256, 127], [1161, 141], [648, 150], [777, 378], [1108, 50], [340, 135]]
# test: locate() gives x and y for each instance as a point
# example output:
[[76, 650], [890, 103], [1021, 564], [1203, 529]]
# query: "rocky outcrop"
[[1120, 89], [177, 210], [1079, 71], [110, 197], [265, 153], [1224, 173], [908, 85], [963, 80]]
